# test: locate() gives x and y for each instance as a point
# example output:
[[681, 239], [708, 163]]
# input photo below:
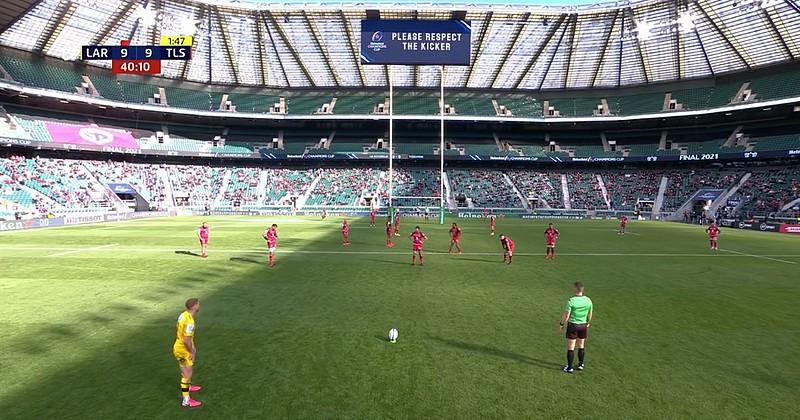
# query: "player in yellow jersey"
[[184, 350]]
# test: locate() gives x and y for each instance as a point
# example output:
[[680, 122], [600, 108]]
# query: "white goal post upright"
[[391, 141], [441, 146]]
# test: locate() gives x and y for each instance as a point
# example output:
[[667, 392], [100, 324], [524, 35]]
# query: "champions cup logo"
[[97, 136], [750, 154], [377, 43], [652, 158]]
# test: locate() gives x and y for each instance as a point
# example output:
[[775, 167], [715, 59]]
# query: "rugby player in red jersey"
[[271, 236], [202, 234], [345, 232], [508, 248], [372, 217], [550, 236], [455, 238], [492, 223], [623, 221], [713, 234], [417, 240], [396, 223], [389, 243]]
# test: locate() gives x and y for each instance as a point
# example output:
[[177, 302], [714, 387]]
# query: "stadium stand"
[[627, 188], [683, 184], [242, 188], [196, 186], [483, 188], [541, 188], [65, 181], [412, 184], [345, 187], [768, 190], [584, 191], [143, 177], [286, 183]]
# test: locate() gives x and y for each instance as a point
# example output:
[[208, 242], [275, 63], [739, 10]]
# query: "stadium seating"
[[485, 188], [352, 104], [626, 188], [584, 191], [38, 74], [541, 185], [65, 181], [251, 102], [143, 177], [683, 184], [778, 142], [776, 86], [413, 103], [768, 190], [195, 185], [242, 188], [412, 184], [471, 104], [286, 182], [193, 99], [344, 187]]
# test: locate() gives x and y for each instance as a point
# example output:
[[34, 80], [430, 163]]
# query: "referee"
[[578, 317]]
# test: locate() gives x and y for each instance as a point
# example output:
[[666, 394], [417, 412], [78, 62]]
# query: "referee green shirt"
[[578, 308]]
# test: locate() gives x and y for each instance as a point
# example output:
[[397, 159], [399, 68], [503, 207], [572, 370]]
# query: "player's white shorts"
[[272, 250]]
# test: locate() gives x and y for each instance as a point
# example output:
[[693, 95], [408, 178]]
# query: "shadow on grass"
[[481, 260], [246, 260], [191, 253], [387, 261], [495, 352]]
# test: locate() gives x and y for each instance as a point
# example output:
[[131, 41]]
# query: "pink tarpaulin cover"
[[91, 135]]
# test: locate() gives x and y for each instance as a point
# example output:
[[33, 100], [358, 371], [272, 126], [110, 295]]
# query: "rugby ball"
[[393, 335]]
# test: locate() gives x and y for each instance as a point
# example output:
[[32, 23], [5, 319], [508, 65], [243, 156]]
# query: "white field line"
[[107, 248], [764, 257], [77, 250], [616, 230]]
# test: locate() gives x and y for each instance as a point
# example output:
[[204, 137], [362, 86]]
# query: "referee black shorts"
[[576, 331]]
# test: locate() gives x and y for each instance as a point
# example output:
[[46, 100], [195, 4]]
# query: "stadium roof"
[[291, 44]]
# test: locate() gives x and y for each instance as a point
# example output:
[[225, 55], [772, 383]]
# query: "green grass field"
[[87, 319]]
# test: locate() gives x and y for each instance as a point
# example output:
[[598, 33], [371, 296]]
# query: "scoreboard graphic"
[[140, 59]]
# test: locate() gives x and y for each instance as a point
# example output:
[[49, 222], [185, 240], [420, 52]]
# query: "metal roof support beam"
[[621, 48], [198, 15], [540, 50], [484, 29], [552, 57], [351, 43], [53, 27], [678, 66], [571, 46], [509, 48], [274, 47], [315, 33], [291, 49], [777, 34], [703, 49], [606, 41], [226, 43], [155, 30], [16, 18], [124, 10], [722, 34], [639, 49], [262, 52]]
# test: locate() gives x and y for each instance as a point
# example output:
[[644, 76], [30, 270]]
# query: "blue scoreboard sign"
[[420, 42]]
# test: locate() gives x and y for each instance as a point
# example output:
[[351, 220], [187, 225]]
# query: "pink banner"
[[91, 135]]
